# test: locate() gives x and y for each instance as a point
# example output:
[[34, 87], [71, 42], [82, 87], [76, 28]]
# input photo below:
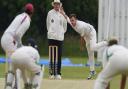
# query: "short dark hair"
[[73, 15], [112, 42]]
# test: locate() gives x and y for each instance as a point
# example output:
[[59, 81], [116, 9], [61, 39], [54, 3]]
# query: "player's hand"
[[62, 11], [82, 43]]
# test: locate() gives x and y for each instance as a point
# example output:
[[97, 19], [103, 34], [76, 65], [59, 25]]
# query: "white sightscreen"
[[113, 21]]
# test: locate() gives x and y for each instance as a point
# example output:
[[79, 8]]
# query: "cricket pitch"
[[61, 84]]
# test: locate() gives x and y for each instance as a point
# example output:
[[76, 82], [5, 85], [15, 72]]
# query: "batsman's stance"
[[11, 38], [26, 58], [56, 26], [88, 34], [117, 57]]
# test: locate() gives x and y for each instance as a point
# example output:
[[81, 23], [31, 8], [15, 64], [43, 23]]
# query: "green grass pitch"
[[74, 73]]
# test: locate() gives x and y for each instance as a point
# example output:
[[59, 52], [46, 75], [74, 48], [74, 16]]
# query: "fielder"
[[117, 57], [56, 27], [26, 58], [88, 34], [12, 37]]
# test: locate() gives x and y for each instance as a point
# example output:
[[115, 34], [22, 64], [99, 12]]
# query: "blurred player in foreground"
[[88, 35], [117, 57], [12, 37], [26, 59]]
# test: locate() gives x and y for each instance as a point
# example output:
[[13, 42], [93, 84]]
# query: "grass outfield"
[[74, 73]]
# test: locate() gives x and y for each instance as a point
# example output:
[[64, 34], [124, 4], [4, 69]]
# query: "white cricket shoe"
[[58, 77], [51, 77]]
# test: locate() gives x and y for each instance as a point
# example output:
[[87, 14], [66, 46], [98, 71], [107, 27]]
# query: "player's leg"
[[36, 84], [108, 87], [59, 55], [26, 79], [123, 81], [37, 74], [91, 62], [105, 76], [93, 42], [9, 46], [51, 58], [10, 77]]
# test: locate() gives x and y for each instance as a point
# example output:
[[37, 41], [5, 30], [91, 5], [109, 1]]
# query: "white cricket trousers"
[[27, 65], [8, 44], [92, 45], [117, 64]]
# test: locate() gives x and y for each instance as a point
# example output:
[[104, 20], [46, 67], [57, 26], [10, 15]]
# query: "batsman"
[[88, 35]]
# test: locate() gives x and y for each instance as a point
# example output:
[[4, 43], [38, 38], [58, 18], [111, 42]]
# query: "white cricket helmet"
[[56, 1]]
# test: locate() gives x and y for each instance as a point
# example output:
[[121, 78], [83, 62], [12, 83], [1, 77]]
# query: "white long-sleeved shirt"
[[27, 51], [83, 28], [19, 26], [56, 25], [110, 51]]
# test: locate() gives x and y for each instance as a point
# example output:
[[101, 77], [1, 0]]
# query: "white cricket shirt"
[[56, 25], [19, 25], [26, 51], [83, 28]]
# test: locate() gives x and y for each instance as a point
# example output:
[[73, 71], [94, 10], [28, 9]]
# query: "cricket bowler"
[[88, 34]]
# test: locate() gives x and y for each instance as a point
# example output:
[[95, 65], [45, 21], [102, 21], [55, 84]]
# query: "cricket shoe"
[[51, 77], [27, 86], [8, 86], [58, 77], [91, 75]]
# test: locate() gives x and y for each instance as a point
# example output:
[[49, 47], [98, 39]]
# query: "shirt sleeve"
[[48, 21]]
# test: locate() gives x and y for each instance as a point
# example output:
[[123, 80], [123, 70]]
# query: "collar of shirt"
[[27, 16]]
